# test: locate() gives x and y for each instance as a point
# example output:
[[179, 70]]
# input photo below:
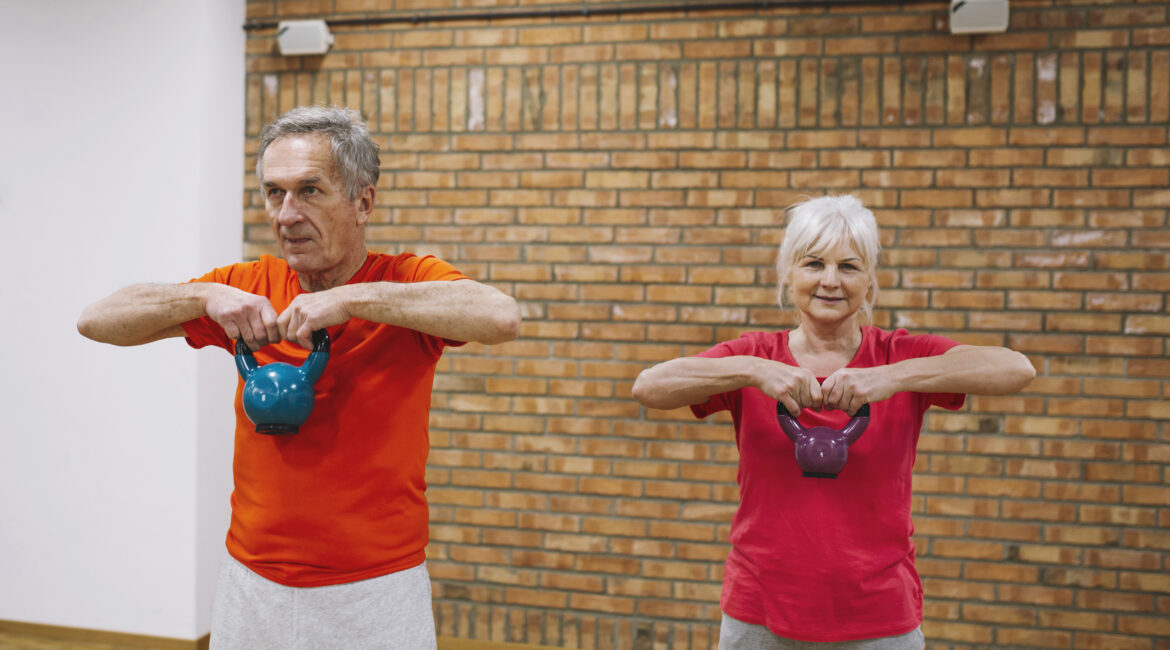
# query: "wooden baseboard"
[[124, 640], [451, 643], [100, 636]]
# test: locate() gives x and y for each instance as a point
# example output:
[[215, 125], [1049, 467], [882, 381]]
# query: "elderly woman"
[[816, 561]]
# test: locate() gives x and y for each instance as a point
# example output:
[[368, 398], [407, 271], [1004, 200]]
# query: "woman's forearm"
[[977, 370], [692, 380]]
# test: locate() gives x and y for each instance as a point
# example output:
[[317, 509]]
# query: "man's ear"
[[365, 204]]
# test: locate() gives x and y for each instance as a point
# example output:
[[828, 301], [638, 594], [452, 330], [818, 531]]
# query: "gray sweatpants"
[[253, 613], [737, 635]]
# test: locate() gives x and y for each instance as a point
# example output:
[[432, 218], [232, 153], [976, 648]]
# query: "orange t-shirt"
[[342, 500]]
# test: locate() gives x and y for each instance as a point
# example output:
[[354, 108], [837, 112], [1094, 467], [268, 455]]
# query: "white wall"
[[121, 163]]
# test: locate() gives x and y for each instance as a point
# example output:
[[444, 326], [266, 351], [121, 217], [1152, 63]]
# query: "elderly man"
[[329, 526]]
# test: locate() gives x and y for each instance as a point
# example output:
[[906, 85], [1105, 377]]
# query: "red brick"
[[1033, 638], [960, 632]]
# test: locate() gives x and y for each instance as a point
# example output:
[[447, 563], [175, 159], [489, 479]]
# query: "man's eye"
[[274, 193], [309, 191]]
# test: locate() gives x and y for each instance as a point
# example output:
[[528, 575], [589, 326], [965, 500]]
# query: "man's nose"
[[290, 212]]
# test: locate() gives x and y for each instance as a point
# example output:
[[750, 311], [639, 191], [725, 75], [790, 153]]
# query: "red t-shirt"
[[343, 499], [826, 559]]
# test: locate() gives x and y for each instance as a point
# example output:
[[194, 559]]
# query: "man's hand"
[[312, 311], [242, 315], [848, 388], [794, 387]]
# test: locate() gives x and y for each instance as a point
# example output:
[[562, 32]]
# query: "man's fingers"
[[282, 324], [236, 330], [268, 318], [295, 325], [232, 332], [259, 330], [249, 332], [305, 335]]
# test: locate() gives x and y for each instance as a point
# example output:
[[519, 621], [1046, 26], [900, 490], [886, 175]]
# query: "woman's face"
[[830, 286]]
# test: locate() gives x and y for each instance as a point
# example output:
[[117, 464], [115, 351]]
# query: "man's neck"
[[334, 277]]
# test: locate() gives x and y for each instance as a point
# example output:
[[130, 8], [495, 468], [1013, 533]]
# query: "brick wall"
[[623, 178]]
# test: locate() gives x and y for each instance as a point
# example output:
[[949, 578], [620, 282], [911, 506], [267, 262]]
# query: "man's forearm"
[[142, 313], [460, 310]]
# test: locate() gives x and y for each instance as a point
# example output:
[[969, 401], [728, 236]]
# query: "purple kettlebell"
[[821, 452]]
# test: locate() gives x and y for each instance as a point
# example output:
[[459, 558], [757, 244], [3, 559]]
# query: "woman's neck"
[[834, 337], [823, 349]]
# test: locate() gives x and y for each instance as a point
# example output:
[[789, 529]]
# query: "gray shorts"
[[737, 635], [253, 613]]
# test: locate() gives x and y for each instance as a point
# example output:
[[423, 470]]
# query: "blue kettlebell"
[[278, 397]]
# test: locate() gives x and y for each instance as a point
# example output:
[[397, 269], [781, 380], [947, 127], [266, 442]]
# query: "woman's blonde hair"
[[816, 225]]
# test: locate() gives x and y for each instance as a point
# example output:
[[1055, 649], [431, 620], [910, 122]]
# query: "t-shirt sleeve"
[[927, 345], [731, 400], [429, 268]]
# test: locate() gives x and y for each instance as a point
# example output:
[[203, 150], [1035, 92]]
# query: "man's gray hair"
[[355, 154]]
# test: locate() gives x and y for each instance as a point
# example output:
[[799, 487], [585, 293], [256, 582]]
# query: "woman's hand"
[[794, 387], [849, 388]]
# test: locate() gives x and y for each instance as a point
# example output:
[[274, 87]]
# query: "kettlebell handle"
[[321, 340], [320, 343], [782, 412], [852, 431]]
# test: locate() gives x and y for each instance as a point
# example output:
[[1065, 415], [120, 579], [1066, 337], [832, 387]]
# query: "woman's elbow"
[[647, 393], [1022, 372], [638, 392]]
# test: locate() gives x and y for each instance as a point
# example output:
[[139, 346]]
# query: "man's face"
[[318, 228]]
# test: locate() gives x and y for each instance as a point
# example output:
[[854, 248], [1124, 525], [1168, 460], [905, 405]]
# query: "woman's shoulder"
[[899, 344], [769, 345]]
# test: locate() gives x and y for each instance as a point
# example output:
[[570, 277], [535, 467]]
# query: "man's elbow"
[[504, 324], [94, 331], [90, 326]]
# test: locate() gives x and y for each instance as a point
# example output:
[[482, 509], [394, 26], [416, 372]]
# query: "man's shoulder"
[[409, 267], [248, 275]]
